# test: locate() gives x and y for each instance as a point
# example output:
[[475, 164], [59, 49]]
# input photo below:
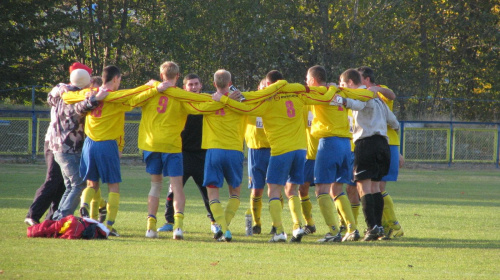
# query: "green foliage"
[[443, 49]]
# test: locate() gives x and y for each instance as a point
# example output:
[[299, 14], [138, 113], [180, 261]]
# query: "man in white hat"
[[68, 136]]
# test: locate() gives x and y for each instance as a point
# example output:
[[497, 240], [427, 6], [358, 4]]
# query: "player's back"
[[284, 123], [163, 119], [255, 136], [223, 129], [106, 122]]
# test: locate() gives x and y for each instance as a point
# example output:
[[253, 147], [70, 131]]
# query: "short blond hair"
[[222, 78], [169, 69]]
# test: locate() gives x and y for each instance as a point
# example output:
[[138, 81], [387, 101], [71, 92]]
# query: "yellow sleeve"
[[317, 96], [187, 96], [358, 94], [254, 109], [260, 95], [123, 95], [73, 97], [201, 108], [141, 97]]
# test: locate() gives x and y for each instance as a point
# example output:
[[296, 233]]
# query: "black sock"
[[368, 210], [379, 207]]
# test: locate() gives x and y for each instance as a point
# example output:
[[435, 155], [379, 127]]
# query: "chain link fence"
[[437, 137]]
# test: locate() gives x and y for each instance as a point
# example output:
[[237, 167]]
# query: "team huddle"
[[298, 136]]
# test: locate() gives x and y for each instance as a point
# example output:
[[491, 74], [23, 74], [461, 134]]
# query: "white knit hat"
[[80, 78]]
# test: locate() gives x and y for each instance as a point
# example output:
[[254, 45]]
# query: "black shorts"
[[372, 158]]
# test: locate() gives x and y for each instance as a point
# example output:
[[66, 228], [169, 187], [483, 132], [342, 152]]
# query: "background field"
[[450, 219]]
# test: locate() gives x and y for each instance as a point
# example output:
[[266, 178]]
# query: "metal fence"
[[421, 141], [22, 132]]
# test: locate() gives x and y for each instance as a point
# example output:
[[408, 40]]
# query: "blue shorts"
[[258, 160], [288, 167], [333, 161], [392, 176], [351, 162], [309, 171], [163, 163], [100, 160], [220, 164]]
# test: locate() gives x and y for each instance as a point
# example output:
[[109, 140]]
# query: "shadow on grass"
[[445, 202]]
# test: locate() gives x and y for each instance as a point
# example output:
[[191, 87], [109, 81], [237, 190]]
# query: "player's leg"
[[194, 164], [344, 208], [107, 160], [258, 162], [390, 221], [213, 180], [305, 200], [256, 209], [153, 203], [70, 164], [233, 172], [43, 196], [366, 168], [90, 172]]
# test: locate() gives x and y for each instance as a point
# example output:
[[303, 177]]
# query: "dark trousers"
[[194, 166], [50, 192]]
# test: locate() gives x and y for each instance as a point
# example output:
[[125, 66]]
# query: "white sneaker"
[[215, 228], [178, 235], [151, 233], [299, 232], [278, 237], [297, 235], [30, 222]]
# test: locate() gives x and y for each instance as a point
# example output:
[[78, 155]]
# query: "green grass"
[[450, 217]]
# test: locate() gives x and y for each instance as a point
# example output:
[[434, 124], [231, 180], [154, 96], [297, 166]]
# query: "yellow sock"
[[306, 204], [178, 220], [295, 211], [275, 209], [355, 211], [232, 206], [327, 208], [344, 207], [218, 214], [87, 195], [151, 222], [389, 213], [256, 208], [94, 205], [112, 208]]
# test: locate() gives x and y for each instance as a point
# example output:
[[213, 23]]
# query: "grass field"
[[450, 217]]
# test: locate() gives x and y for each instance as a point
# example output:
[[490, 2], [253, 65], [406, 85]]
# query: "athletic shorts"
[[372, 158], [258, 160], [333, 161], [392, 176], [168, 164], [287, 167], [309, 171], [100, 160], [351, 162], [220, 164]]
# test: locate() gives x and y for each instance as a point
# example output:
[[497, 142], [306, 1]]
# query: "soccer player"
[[223, 139], [392, 228], [104, 127], [312, 148], [284, 125], [193, 157], [49, 194], [371, 154], [259, 152], [332, 167], [68, 137]]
